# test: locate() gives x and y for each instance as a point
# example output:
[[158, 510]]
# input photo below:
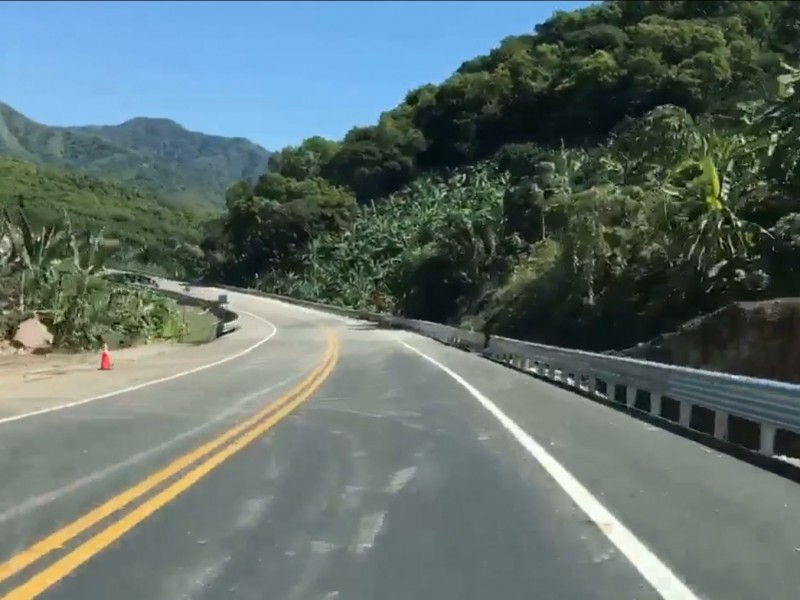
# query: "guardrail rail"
[[227, 320], [772, 406]]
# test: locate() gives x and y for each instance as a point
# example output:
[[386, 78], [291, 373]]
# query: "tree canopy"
[[148, 230], [629, 163]]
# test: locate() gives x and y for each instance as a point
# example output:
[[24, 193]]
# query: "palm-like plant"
[[713, 185], [56, 273], [31, 259], [775, 119]]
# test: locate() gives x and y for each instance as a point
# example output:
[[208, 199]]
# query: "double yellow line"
[[214, 453]]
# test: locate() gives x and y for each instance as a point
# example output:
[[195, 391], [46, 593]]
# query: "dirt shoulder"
[[29, 383]]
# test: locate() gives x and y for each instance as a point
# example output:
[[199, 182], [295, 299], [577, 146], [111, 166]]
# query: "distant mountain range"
[[185, 167]]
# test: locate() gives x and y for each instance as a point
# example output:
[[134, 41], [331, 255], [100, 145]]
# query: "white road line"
[[309, 312], [663, 580], [48, 497], [145, 384]]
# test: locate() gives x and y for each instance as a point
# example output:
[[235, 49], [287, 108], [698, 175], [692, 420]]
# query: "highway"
[[338, 461]]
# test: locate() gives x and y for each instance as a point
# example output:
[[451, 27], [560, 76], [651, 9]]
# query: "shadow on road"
[[364, 326]]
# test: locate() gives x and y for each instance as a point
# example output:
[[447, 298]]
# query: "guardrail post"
[[630, 396], [655, 404], [721, 425], [686, 386], [767, 439], [685, 415]]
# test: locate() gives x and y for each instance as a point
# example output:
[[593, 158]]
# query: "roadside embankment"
[[30, 382]]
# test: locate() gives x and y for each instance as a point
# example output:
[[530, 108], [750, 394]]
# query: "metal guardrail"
[[772, 405], [475, 341], [227, 320]]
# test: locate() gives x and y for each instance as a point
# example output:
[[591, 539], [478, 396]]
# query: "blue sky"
[[274, 72]]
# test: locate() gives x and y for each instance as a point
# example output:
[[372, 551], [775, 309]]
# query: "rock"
[[756, 339], [32, 335]]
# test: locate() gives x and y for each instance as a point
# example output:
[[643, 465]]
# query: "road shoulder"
[[35, 383], [727, 527]]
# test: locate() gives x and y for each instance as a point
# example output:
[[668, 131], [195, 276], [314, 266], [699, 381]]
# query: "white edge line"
[[657, 574], [46, 498], [145, 384]]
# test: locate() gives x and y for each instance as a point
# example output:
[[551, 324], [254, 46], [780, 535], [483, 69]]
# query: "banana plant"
[[89, 256], [775, 119], [33, 259], [726, 170]]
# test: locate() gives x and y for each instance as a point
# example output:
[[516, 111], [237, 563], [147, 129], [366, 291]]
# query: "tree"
[[614, 173]]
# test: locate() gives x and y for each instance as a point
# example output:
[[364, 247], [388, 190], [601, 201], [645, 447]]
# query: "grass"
[[200, 325]]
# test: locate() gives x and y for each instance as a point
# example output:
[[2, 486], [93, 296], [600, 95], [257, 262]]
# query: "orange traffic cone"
[[105, 359]]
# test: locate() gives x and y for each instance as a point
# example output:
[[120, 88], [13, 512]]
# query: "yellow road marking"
[[64, 566], [57, 539]]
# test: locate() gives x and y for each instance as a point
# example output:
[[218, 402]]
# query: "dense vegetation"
[[55, 273], [184, 167], [148, 231], [622, 169]]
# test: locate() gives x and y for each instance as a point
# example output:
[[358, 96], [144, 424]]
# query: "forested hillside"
[[186, 168], [59, 230], [147, 231], [620, 170]]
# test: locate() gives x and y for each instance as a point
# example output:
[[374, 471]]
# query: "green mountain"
[[184, 167], [148, 230], [617, 171]]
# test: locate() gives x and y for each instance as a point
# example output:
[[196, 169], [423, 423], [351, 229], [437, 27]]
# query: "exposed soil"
[[757, 339]]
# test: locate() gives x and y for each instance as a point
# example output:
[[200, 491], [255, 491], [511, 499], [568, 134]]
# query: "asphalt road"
[[366, 470]]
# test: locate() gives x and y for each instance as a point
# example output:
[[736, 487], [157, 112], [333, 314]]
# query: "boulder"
[[33, 336], [756, 339]]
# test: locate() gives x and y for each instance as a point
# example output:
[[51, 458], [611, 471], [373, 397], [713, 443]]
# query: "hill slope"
[[624, 189], [146, 228], [186, 167]]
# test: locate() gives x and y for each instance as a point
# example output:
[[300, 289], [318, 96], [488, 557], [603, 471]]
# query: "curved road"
[[336, 461]]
